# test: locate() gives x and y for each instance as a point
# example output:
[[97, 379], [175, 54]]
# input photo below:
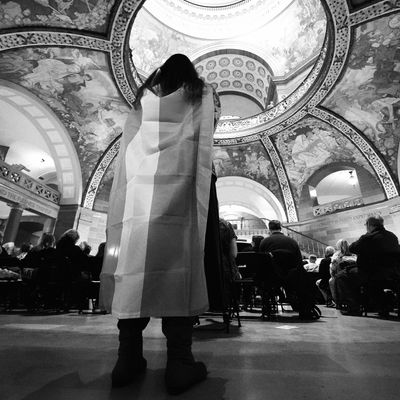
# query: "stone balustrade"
[[338, 205], [14, 175]]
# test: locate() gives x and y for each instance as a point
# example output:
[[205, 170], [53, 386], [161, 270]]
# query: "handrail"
[[306, 243]]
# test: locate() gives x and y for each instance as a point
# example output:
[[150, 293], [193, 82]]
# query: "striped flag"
[[154, 258]]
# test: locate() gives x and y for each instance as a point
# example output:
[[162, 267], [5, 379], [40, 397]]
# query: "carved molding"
[[362, 144], [338, 205], [282, 178], [374, 11], [119, 55], [97, 176], [46, 38]]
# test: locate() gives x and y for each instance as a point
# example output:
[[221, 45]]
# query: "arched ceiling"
[[74, 58]]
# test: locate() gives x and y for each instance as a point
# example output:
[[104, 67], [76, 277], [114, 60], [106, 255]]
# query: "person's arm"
[[233, 247], [358, 246]]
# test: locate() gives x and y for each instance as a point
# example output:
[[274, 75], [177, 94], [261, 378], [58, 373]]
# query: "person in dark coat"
[[287, 259], [73, 263], [378, 262]]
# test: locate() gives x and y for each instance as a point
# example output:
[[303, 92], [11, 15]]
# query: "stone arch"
[[370, 187], [55, 135], [261, 202]]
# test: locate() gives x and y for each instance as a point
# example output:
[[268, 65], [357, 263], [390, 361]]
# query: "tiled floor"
[[57, 357]]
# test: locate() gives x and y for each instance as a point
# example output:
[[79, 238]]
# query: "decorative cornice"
[[97, 175], [46, 38], [121, 65], [376, 10], [362, 144], [282, 178]]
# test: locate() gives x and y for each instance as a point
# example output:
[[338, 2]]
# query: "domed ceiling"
[[318, 81], [253, 49]]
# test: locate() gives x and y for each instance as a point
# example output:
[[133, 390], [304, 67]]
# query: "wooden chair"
[[258, 275]]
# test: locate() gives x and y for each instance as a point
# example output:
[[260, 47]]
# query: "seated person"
[[287, 261], [255, 244], [312, 265], [340, 259], [324, 276], [378, 265]]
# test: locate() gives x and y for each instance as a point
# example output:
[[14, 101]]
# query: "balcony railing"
[[14, 175], [334, 206]]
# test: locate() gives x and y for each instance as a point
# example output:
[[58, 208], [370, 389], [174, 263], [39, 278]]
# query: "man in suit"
[[288, 264]]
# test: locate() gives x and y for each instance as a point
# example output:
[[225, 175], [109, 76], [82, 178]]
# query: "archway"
[[51, 138], [249, 197]]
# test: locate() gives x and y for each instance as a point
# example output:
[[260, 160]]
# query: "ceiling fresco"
[[104, 189], [249, 161], [368, 95], [91, 15], [85, 80], [289, 40], [76, 84], [310, 145]]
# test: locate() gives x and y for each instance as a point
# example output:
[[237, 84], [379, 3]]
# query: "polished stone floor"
[[57, 357]]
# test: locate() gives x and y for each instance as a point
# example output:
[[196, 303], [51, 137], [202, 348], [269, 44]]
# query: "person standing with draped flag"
[[156, 228]]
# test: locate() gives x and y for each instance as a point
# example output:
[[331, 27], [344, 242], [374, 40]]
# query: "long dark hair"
[[177, 71]]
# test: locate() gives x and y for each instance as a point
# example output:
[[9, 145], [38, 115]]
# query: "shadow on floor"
[[149, 386], [210, 329]]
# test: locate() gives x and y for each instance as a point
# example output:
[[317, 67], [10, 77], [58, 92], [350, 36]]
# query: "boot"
[[182, 370], [130, 361]]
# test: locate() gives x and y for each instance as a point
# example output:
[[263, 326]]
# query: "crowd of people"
[[54, 274], [356, 277]]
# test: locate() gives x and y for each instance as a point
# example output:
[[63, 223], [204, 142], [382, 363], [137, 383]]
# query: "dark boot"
[[130, 361], [182, 371]]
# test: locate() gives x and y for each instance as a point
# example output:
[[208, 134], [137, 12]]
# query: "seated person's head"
[[329, 251], [374, 222], [274, 225], [342, 246], [47, 240], [313, 258], [256, 240]]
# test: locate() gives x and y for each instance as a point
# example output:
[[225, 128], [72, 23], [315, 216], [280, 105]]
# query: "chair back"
[[258, 265], [283, 261]]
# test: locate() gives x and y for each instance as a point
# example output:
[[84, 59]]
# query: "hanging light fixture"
[[352, 178]]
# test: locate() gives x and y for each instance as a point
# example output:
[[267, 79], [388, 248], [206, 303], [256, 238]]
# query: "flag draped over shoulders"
[[154, 259]]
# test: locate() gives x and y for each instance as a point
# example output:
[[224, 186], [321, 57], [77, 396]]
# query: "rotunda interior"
[[310, 95]]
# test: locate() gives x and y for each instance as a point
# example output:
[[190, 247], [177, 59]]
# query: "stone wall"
[[349, 224]]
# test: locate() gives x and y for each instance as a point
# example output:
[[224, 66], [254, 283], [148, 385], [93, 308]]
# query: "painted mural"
[[310, 145], [153, 42], [296, 35], [76, 84], [368, 95], [292, 38], [103, 192], [248, 161], [90, 15]]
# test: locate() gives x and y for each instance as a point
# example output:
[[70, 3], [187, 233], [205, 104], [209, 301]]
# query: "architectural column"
[[49, 225], [14, 218], [67, 219]]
